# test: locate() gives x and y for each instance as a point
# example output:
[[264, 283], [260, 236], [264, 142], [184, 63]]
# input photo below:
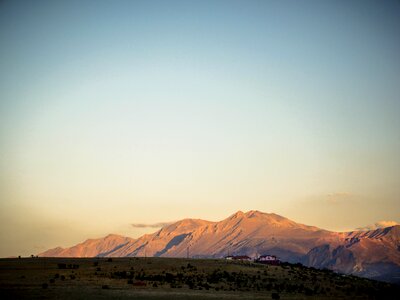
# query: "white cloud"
[[380, 224], [154, 225]]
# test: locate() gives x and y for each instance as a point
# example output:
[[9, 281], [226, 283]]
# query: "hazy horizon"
[[115, 113]]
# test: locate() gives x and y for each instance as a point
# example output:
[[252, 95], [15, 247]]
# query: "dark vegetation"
[[67, 266], [155, 278]]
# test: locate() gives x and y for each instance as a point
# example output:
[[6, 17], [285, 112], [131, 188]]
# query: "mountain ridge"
[[372, 253]]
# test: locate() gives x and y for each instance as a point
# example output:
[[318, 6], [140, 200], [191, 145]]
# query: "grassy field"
[[176, 278]]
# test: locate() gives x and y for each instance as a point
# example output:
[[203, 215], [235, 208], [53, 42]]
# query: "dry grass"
[[173, 278]]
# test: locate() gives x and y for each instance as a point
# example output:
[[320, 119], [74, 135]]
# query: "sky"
[[120, 116]]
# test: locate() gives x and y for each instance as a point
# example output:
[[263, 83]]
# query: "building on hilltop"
[[268, 260]]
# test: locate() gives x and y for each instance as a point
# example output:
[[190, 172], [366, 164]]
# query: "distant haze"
[[121, 116]]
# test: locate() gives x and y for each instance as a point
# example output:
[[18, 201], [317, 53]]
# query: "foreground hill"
[[372, 254], [177, 278]]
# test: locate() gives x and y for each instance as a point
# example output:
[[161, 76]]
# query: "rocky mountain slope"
[[91, 247], [372, 254]]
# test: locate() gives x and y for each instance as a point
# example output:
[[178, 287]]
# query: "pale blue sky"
[[120, 112]]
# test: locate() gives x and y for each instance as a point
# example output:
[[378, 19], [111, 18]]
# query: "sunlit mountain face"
[[372, 254]]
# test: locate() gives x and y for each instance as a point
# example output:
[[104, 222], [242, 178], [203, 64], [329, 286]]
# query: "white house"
[[268, 259]]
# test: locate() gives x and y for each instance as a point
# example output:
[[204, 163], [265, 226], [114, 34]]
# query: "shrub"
[[45, 286], [169, 277], [105, 287], [139, 283], [275, 296], [121, 274], [308, 292]]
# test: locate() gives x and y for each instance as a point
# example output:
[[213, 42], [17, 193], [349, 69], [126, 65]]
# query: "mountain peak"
[[182, 226], [250, 213], [238, 213], [254, 213]]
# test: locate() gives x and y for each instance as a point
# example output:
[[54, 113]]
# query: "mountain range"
[[373, 254]]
